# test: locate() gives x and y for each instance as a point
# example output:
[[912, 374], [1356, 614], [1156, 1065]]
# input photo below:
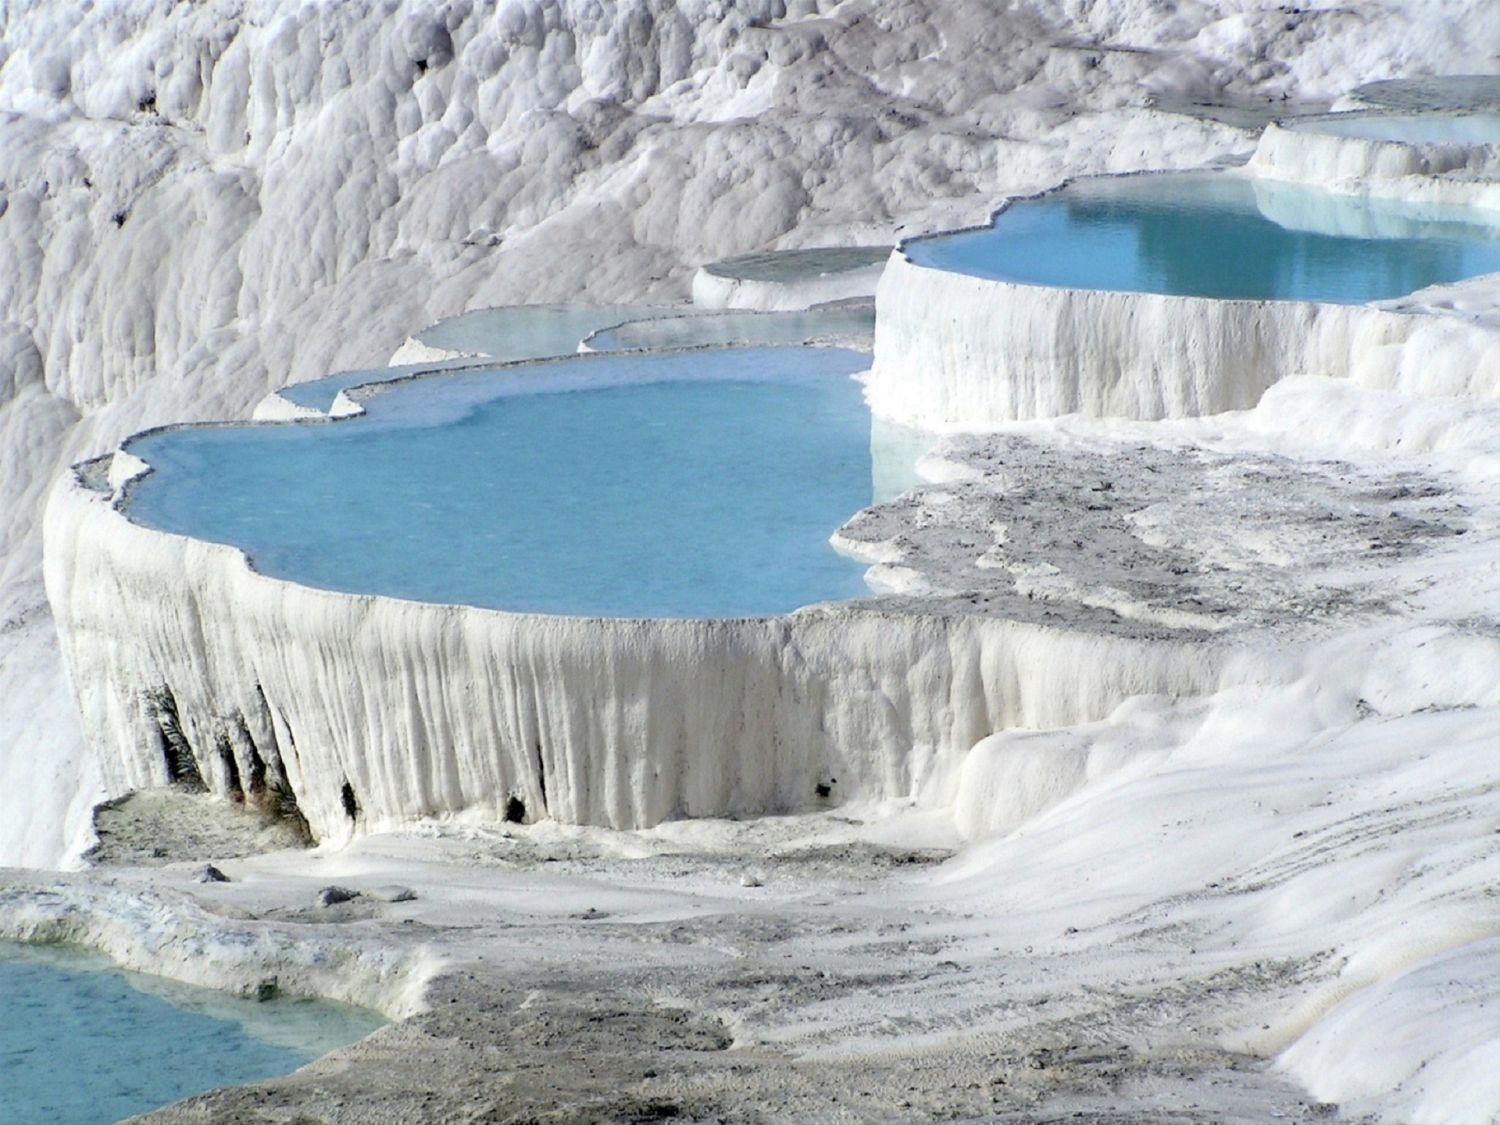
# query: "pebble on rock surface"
[[333, 895], [392, 893]]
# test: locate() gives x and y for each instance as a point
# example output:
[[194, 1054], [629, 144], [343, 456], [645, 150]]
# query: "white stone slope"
[[199, 204], [1343, 819]]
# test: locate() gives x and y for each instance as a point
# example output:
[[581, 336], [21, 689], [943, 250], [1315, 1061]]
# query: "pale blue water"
[[702, 484], [506, 334], [79, 1044], [319, 394], [1207, 235], [531, 331], [851, 322], [520, 332]]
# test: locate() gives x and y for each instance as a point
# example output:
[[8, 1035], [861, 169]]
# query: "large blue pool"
[[1225, 236], [84, 1042], [697, 484]]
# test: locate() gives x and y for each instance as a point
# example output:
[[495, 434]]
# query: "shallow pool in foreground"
[[696, 484], [82, 1041], [1223, 236]]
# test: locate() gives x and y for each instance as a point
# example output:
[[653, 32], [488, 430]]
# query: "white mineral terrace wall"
[[954, 351], [426, 709], [1444, 173]]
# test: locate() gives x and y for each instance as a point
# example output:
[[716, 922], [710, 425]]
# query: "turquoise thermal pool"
[[694, 484], [1223, 236], [82, 1041], [839, 323], [531, 331], [504, 335]]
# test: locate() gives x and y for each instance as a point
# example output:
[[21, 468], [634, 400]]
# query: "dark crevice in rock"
[[280, 803], [275, 765], [176, 752], [235, 790], [269, 784], [255, 773], [541, 775], [349, 800]]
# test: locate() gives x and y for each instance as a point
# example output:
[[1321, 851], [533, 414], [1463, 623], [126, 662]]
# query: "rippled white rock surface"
[[1165, 894], [353, 176]]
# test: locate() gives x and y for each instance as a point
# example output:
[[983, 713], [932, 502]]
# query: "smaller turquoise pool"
[[506, 335], [82, 1041], [694, 484], [513, 332], [851, 322], [1223, 236]]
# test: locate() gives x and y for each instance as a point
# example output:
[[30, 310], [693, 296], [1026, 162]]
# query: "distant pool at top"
[[697, 484], [1221, 235]]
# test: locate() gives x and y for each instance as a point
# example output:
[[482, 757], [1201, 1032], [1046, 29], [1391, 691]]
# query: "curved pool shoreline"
[[1218, 235], [698, 483]]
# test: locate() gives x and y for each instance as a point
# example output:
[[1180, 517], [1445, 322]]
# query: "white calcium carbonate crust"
[[1463, 175], [425, 710], [1415, 1043], [959, 352], [204, 202]]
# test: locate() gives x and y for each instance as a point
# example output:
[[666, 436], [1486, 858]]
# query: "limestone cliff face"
[[373, 710]]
